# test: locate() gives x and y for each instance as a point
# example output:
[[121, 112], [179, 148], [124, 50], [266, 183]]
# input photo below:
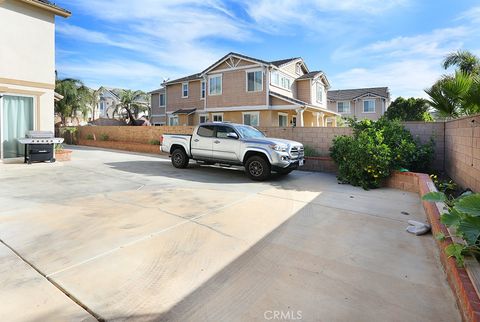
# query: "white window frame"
[[183, 90], [282, 80], [282, 114], [200, 118], [256, 70], [251, 113], [374, 107], [203, 89], [322, 88], [160, 100], [298, 69], [217, 114], [170, 117], [349, 107], [221, 84]]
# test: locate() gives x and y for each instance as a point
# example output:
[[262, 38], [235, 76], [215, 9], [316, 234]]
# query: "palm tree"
[[452, 96], [133, 102], [466, 62], [74, 97], [93, 99]]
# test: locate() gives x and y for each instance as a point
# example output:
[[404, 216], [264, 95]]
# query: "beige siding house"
[[362, 103], [27, 70], [247, 90]]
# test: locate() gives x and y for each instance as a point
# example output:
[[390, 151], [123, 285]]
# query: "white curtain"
[[17, 121]]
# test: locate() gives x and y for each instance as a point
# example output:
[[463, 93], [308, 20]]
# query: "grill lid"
[[39, 134]]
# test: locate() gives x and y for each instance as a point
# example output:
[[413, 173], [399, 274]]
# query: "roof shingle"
[[350, 94]]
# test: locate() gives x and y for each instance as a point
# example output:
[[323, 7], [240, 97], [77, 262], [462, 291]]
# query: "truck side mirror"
[[232, 135]]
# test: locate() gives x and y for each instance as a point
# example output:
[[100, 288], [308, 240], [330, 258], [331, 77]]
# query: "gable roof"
[[350, 94], [310, 75], [159, 90], [281, 62], [49, 6], [184, 79]]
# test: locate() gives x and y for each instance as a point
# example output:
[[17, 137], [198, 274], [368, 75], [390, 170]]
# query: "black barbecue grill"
[[40, 146]]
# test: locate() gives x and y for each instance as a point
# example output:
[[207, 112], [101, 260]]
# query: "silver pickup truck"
[[234, 144]]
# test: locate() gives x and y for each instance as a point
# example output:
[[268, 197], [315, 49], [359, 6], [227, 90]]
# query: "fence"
[[457, 143]]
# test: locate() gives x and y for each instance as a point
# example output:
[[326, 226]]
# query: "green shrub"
[[90, 136], [463, 215], [154, 142], [104, 137], [375, 149], [309, 151]]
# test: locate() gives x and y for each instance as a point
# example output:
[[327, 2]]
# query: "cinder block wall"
[[135, 134], [424, 131], [318, 138], [462, 151]]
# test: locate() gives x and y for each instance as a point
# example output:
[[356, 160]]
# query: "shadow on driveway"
[[194, 172]]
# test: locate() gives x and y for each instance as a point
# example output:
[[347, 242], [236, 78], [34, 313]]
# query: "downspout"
[[267, 86]]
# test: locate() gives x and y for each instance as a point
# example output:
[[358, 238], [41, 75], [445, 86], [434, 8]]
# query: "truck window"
[[222, 131], [206, 130]]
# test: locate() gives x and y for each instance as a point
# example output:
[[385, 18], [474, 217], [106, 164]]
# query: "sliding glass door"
[[17, 118]]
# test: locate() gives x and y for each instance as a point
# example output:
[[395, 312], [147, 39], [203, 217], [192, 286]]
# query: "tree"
[[455, 96], [411, 109], [74, 94], [94, 99], [133, 102], [466, 62]]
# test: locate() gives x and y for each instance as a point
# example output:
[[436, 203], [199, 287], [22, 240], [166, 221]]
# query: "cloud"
[[324, 16], [404, 78], [407, 65], [114, 73], [471, 15], [178, 36]]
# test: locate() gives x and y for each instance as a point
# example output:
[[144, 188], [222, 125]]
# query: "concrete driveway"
[[120, 236]]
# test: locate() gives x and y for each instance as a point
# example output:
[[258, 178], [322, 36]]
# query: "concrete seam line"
[[331, 207], [149, 236], [61, 289]]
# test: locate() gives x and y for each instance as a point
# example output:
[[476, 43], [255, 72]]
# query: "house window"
[[162, 99], [203, 118], [282, 119], [102, 106], [173, 120], [254, 81], [184, 90], [281, 80], [319, 93], [251, 118], [299, 69], [294, 121], [343, 107], [369, 106], [215, 85], [203, 89], [218, 117]]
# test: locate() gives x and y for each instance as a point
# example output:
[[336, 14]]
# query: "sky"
[[357, 43]]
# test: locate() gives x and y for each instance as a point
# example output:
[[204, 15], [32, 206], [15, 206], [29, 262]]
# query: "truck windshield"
[[249, 132]]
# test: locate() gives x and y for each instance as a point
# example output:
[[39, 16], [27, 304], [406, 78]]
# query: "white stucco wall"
[[27, 34], [27, 57]]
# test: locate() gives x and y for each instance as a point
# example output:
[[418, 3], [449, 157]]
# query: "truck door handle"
[[196, 140], [216, 141]]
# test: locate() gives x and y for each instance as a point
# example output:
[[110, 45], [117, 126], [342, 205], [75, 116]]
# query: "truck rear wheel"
[[257, 168], [179, 158]]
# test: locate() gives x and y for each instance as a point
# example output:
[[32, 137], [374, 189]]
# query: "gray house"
[[362, 103]]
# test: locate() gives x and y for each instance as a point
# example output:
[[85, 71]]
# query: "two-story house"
[[247, 90], [27, 70], [362, 103]]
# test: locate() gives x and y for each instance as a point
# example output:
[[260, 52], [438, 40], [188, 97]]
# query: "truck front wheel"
[[257, 168], [179, 158]]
